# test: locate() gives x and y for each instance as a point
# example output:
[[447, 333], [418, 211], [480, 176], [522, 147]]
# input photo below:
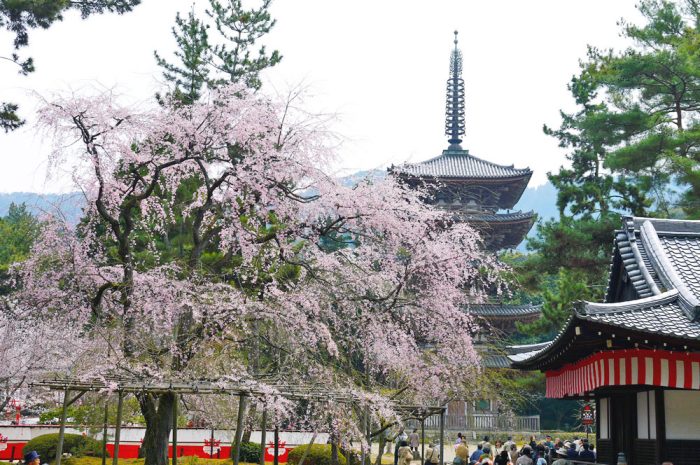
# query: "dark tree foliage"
[[18, 230], [20, 16], [632, 141]]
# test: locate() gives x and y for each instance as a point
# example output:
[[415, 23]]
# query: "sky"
[[379, 66]]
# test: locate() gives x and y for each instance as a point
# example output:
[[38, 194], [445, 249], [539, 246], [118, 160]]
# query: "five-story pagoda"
[[472, 188]]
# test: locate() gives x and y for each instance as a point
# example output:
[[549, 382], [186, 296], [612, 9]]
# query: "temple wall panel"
[[682, 452], [604, 452], [644, 452], [682, 410]]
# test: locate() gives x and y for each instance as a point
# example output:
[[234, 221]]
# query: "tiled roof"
[[460, 164], [660, 314], [495, 361], [523, 348], [674, 265], [503, 310], [684, 254], [525, 355], [499, 217]]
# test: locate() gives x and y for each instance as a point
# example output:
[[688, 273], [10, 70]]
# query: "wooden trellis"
[[314, 392]]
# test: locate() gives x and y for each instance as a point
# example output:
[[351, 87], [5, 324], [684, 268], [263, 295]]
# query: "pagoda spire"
[[454, 110]]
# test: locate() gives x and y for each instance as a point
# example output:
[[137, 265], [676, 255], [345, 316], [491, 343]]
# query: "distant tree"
[[20, 16], [18, 230]]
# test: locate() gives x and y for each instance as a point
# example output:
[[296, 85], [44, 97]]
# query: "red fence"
[[191, 441]]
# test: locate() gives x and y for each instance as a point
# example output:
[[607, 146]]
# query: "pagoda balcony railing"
[[482, 422]]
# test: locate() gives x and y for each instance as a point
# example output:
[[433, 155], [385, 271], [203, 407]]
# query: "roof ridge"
[[583, 308], [645, 275], [690, 304], [466, 153], [668, 225]]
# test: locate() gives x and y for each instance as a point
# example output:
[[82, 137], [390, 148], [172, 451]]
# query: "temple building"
[[482, 194], [637, 355]]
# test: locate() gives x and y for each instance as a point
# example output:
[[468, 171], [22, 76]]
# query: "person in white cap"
[[562, 459]]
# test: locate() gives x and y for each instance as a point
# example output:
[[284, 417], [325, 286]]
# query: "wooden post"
[[211, 444], [118, 427], [175, 430], [422, 440], [363, 455], [62, 431], [239, 429], [263, 431], [277, 445], [104, 431], [442, 437], [369, 439]]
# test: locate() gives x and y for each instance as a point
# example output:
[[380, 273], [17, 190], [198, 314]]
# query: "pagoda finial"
[[454, 110]]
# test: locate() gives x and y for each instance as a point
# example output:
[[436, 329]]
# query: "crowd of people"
[[547, 451]]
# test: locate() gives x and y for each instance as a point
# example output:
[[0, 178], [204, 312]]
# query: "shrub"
[[319, 454], [74, 444], [250, 452]]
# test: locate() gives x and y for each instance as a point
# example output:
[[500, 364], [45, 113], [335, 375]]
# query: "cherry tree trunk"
[[382, 445], [157, 409], [334, 451], [248, 425]]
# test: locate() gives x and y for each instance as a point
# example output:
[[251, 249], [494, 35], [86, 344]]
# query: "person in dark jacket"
[[586, 454], [502, 458]]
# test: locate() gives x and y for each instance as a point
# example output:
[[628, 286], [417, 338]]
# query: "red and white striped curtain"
[[625, 368]]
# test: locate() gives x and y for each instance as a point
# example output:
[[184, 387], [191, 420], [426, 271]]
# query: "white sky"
[[381, 65]]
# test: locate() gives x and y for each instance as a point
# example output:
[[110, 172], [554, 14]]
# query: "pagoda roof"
[[661, 260], [495, 236], [503, 310], [500, 217], [460, 164]]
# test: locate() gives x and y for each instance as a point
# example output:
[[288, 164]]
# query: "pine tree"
[[240, 29], [194, 54], [210, 60]]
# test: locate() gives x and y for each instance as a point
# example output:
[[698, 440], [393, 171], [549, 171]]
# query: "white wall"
[[604, 418], [682, 414], [646, 415]]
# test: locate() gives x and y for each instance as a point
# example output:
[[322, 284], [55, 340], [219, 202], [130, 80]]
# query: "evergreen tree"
[[20, 16], [653, 92], [224, 57], [194, 54], [632, 136], [240, 29]]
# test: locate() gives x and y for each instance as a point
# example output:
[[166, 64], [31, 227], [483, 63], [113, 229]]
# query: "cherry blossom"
[[355, 288]]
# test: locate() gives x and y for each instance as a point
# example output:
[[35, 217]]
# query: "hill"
[[540, 199], [70, 205]]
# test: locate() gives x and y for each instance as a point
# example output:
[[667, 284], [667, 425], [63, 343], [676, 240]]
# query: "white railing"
[[482, 422]]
